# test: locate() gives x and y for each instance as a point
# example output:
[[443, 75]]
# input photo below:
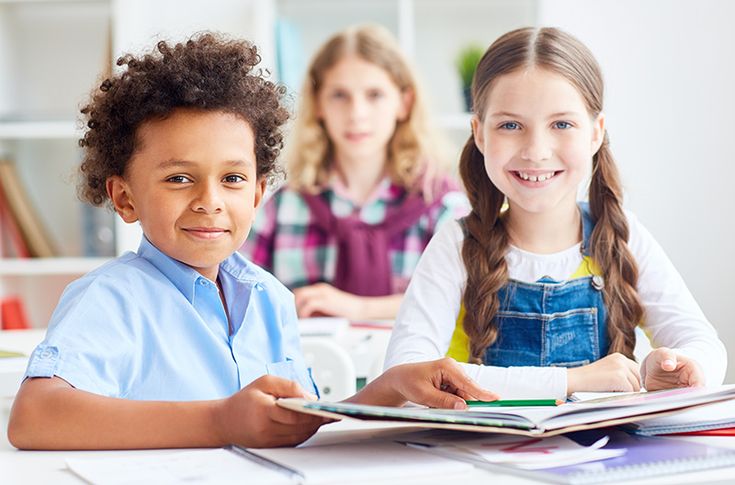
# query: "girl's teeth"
[[536, 178]]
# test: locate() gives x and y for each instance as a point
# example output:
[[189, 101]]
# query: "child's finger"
[[280, 387], [666, 358], [454, 377]]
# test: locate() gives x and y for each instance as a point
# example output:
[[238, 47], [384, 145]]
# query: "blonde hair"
[[413, 150], [486, 243]]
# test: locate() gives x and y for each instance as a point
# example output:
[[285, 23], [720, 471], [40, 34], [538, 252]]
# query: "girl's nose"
[[536, 148]]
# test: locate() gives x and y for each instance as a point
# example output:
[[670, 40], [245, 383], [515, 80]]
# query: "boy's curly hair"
[[207, 72]]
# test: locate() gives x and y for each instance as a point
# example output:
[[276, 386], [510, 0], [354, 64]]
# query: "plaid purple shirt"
[[286, 242]]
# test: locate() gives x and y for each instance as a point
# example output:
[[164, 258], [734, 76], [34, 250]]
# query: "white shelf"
[[49, 266], [16, 130]]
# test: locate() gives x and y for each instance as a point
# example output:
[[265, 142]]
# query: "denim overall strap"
[[551, 323]]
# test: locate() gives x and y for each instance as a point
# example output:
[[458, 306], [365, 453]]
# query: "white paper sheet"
[[217, 466], [365, 462]]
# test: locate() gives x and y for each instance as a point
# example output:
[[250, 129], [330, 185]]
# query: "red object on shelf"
[[13, 314]]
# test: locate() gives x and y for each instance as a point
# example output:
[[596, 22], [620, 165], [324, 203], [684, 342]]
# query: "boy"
[[185, 343]]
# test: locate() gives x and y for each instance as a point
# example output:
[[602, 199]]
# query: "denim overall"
[[551, 323]]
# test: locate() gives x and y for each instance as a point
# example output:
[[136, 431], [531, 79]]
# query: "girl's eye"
[[178, 179], [338, 95], [234, 179], [374, 94], [562, 125], [510, 125]]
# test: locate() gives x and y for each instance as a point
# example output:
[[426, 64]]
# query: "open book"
[[528, 421]]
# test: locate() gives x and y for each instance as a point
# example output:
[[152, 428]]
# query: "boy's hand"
[[325, 299], [665, 369], [439, 383], [614, 372], [251, 417]]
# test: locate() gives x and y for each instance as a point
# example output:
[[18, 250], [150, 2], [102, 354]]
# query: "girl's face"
[[538, 139], [360, 105]]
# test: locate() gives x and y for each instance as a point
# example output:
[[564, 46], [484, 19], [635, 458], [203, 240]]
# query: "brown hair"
[[208, 72], [413, 150], [486, 241]]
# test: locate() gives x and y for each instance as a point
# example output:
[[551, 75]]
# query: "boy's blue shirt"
[[148, 327]]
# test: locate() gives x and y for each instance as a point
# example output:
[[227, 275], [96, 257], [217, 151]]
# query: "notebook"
[[710, 417], [528, 421], [640, 457]]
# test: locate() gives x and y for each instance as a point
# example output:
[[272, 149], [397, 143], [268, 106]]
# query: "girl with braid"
[[538, 293]]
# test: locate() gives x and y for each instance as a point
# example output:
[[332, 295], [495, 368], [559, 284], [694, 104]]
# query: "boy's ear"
[[407, 98], [119, 193], [598, 132], [477, 133], [259, 191]]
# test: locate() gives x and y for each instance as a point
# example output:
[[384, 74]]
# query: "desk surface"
[[43, 467]]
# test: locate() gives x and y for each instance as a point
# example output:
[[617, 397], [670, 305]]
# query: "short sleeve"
[[88, 343]]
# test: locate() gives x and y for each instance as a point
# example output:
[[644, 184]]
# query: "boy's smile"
[[192, 184]]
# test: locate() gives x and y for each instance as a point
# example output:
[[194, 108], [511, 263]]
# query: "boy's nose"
[[208, 200]]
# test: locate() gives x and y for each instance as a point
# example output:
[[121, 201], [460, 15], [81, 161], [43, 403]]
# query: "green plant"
[[466, 63]]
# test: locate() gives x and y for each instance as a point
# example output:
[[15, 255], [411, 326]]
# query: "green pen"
[[515, 402]]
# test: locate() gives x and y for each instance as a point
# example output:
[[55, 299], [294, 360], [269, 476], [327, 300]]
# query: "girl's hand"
[[251, 417], [614, 372], [325, 299], [664, 369], [439, 383]]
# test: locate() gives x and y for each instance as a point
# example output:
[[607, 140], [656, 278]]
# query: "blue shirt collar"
[[184, 277]]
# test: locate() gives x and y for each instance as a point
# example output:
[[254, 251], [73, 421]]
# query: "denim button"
[[598, 282], [46, 354]]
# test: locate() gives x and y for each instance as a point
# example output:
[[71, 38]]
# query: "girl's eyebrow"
[[508, 114]]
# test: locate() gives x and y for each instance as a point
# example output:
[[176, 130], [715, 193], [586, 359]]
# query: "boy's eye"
[[233, 179], [178, 179], [562, 125], [510, 125]]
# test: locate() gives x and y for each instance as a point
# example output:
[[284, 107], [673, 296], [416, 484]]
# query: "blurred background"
[[669, 67]]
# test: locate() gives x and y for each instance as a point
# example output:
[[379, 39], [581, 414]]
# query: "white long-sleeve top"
[[428, 314]]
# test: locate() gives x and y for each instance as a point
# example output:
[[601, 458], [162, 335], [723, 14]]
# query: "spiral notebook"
[[640, 457], [706, 418]]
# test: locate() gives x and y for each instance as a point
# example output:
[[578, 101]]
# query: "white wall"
[[669, 67]]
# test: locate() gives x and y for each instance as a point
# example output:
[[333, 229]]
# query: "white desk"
[[44, 467]]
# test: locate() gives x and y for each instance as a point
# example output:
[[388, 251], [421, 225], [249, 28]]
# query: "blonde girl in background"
[[365, 188], [548, 293]]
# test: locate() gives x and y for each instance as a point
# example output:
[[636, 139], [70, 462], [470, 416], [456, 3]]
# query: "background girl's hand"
[[251, 417], [439, 383], [665, 369], [614, 372], [325, 299]]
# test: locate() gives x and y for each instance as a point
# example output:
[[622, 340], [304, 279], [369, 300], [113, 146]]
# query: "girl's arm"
[[325, 299], [50, 414], [673, 319], [426, 322]]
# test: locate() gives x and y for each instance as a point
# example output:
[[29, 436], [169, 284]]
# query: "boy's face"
[[192, 185]]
